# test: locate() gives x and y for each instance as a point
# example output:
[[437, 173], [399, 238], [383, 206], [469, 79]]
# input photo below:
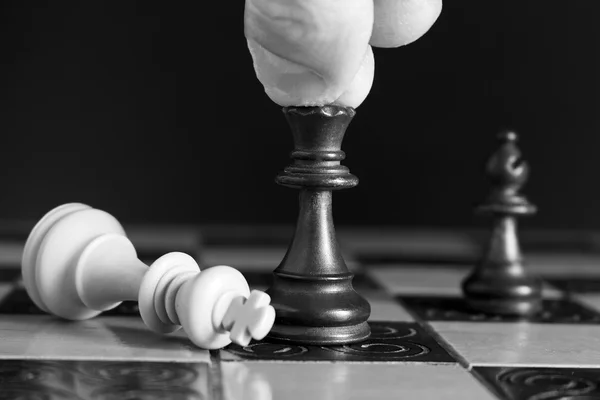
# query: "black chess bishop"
[[499, 283]]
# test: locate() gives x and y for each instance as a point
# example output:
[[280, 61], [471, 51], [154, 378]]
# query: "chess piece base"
[[321, 335], [318, 309], [513, 298]]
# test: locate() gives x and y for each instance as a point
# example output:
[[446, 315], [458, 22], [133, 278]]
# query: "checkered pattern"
[[421, 329]]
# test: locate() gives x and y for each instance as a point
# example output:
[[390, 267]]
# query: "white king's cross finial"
[[248, 319]]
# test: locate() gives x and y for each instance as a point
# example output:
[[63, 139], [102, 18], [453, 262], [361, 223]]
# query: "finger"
[[361, 85], [400, 22], [308, 48]]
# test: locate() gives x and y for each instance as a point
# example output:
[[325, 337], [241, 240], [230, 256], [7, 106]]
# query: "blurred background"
[[151, 110]]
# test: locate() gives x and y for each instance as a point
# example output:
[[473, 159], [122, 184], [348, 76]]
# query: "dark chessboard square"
[[12, 235], [556, 241], [125, 309], [41, 379], [541, 383], [389, 341], [19, 303], [397, 259], [10, 274], [363, 281], [258, 279], [241, 235], [562, 311], [149, 255], [576, 284]]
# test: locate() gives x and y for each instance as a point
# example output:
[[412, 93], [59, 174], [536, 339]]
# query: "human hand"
[[318, 52]]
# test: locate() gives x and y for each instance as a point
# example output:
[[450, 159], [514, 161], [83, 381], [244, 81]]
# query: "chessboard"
[[425, 343]]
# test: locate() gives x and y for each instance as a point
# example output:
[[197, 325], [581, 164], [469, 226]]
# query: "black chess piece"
[[499, 284], [312, 290]]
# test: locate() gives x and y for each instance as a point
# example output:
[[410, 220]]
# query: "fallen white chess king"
[[77, 263]]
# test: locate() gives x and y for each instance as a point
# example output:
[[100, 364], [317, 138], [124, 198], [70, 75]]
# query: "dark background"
[[151, 111]]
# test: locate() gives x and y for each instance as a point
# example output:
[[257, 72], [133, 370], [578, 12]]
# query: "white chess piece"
[[77, 263]]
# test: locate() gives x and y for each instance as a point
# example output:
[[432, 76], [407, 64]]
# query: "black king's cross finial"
[[499, 284]]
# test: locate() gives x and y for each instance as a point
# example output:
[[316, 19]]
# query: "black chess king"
[[312, 290]]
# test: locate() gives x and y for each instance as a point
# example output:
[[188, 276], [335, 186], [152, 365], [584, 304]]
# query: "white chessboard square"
[[428, 280], [164, 237], [522, 344], [414, 242], [350, 381], [559, 264], [384, 307], [253, 258], [102, 338], [11, 254]]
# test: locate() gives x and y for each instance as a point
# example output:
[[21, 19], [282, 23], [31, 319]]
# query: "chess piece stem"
[[312, 288], [499, 284]]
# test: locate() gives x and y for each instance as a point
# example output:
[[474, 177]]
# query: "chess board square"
[[384, 307], [57, 379], [10, 275], [590, 300], [18, 302], [521, 343], [556, 241], [11, 253], [564, 311], [417, 246], [254, 258], [5, 290], [164, 237], [389, 341], [553, 265], [448, 244], [577, 284], [301, 381], [527, 383], [244, 258], [413, 279], [424, 280], [247, 235], [106, 338]]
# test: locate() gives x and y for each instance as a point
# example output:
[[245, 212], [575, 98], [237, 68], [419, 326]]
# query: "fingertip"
[[360, 87], [400, 22]]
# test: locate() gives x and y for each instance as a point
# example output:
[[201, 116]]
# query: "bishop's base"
[[320, 335], [506, 307]]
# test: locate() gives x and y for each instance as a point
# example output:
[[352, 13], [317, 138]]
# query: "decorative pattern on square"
[[102, 380], [563, 311], [389, 341], [580, 285], [542, 383]]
